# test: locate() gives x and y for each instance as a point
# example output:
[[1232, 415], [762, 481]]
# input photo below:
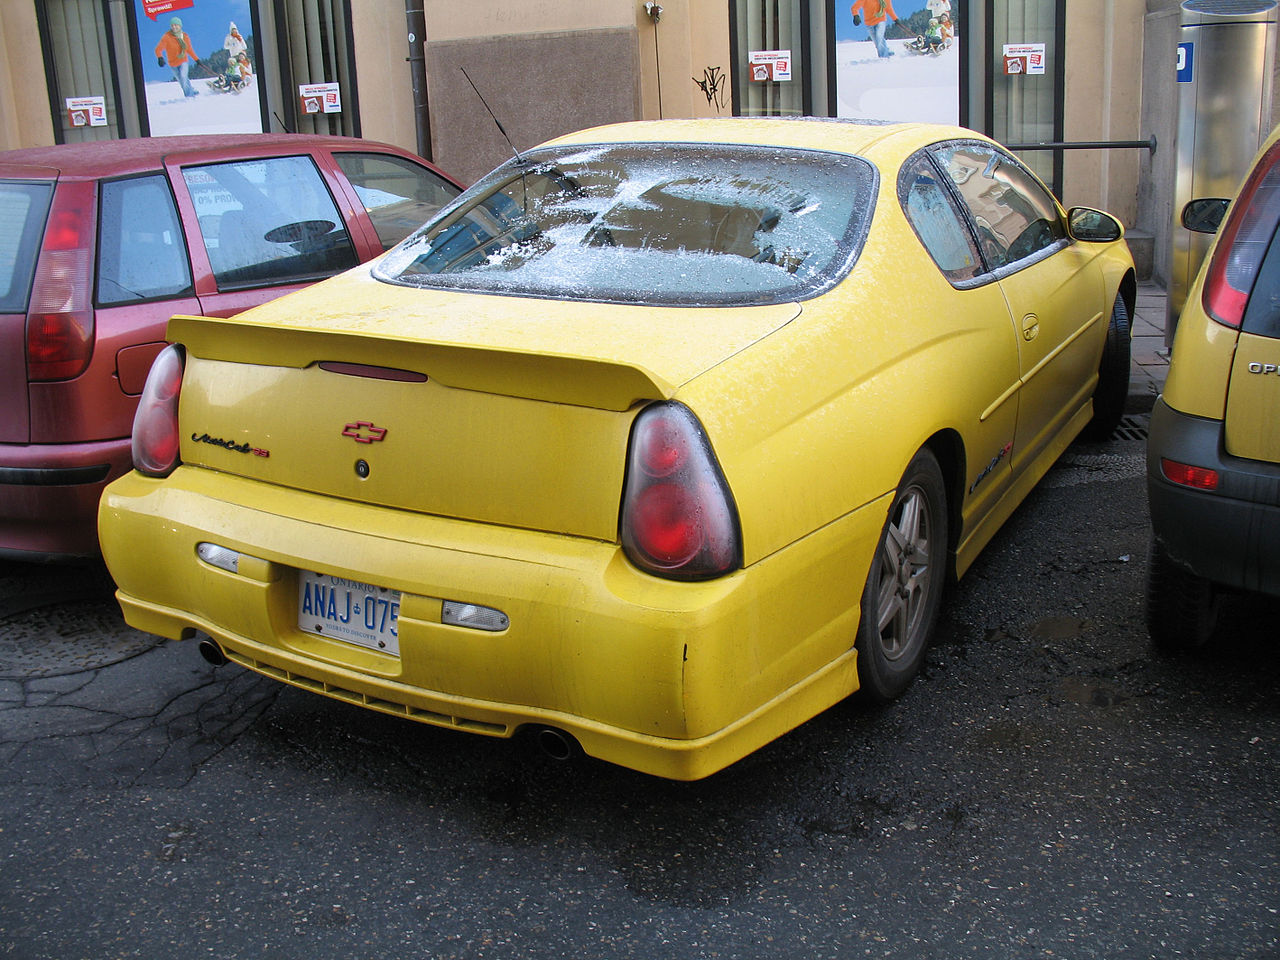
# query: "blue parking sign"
[[1186, 57]]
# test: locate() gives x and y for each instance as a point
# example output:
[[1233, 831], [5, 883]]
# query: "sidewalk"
[[1150, 358]]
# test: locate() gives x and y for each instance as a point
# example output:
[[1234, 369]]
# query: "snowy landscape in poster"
[[907, 86]]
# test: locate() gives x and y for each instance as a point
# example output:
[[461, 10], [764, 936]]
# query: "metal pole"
[[416, 19], [1149, 144]]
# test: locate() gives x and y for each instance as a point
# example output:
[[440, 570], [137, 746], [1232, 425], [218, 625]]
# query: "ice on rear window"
[[649, 223]]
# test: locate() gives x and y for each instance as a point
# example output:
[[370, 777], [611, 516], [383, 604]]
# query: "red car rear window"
[[24, 207]]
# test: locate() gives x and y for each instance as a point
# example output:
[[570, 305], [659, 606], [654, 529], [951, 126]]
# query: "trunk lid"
[[1252, 428], [491, 409]]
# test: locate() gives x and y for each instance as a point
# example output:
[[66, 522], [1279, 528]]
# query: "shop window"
[[316, 47], [1025, 96], [78, 41], [768, 41]]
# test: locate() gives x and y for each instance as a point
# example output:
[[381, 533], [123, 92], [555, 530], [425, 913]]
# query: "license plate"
[[349, 610]]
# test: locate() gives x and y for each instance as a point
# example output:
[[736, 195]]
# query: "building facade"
[[468, 83]]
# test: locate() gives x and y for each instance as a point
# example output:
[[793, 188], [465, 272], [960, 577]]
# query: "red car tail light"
[[1243, 242], [678, 517], [156, 440], [1186, 475], [60, 323]]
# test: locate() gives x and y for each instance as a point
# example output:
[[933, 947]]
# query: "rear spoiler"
[[579, 381]]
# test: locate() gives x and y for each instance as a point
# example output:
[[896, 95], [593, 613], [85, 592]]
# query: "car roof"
[[854, 137], [115, 157]]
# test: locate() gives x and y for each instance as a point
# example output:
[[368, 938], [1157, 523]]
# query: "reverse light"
[[60, 324], [156, 440], [678, 517], [224, 558], [1186, 475], [1243, 243], [474, 616]]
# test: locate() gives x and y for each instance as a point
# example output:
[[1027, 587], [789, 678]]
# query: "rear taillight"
[[678, 518], [156, 440], [60, 323], [1243, 242]]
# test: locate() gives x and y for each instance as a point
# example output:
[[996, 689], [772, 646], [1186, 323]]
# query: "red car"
[[100, 243]]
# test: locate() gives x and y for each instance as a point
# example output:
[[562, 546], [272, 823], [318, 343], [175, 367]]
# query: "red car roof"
[[115, 157]]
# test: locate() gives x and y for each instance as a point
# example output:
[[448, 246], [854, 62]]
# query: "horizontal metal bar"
[[1086, 145]]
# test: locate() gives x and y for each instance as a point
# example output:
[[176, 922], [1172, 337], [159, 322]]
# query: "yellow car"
[[660, 440], [1213, 454]]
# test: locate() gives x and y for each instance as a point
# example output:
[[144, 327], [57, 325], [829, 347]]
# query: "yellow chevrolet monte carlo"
[[662, 439]]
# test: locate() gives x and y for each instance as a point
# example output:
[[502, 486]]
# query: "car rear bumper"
[[1230, 535], [674, 679], [49, 496]]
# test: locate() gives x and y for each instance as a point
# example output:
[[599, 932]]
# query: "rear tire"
[[1112, 391], [1182, 608], [903, 593]]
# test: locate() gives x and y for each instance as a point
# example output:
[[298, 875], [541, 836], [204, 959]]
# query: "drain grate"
[[1132, 427]]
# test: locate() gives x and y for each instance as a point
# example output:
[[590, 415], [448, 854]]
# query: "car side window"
[[142, 253], [937, 223], [398, 194], [268, 221], [1015, 217]]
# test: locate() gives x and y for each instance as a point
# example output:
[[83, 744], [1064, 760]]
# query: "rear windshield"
[[24, 205], [1262, 315], [649, 223]]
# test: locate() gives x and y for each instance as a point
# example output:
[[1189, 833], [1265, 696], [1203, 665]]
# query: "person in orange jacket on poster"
[[175, 46], [877, 14]]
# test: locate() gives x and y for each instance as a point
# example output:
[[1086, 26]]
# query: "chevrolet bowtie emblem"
[[362, 431]]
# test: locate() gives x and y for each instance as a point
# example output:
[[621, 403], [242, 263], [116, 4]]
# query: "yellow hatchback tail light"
[[1246, 235]]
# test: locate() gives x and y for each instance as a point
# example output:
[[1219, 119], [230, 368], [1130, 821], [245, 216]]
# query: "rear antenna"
[[519, 159]]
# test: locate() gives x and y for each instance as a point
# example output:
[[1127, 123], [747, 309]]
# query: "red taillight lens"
[[678, 519], [156, 440], [1243, 242], [665, 520], [60, 324], [1186, 475]]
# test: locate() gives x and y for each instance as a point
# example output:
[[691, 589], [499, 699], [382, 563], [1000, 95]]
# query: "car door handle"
[[1030, 327]]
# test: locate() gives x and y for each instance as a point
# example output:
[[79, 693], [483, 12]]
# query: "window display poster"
[[898, 59], [198, 64]]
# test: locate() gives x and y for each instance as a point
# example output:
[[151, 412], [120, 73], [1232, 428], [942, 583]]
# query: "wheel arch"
[[947, 447], [1128, 292]]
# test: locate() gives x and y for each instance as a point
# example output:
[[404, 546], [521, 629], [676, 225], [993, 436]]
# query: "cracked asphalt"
[[1049, 788]]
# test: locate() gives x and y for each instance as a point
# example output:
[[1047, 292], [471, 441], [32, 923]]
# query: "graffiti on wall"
[[712, 86]]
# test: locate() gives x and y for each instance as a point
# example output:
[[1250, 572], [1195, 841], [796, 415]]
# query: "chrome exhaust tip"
[[210, 650], [557, 744]]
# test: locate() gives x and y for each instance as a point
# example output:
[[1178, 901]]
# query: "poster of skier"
[[898, 59], [197, 62]]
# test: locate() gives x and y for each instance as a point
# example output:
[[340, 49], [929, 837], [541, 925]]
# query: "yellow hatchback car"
[[1213, 453], [660, 440]]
